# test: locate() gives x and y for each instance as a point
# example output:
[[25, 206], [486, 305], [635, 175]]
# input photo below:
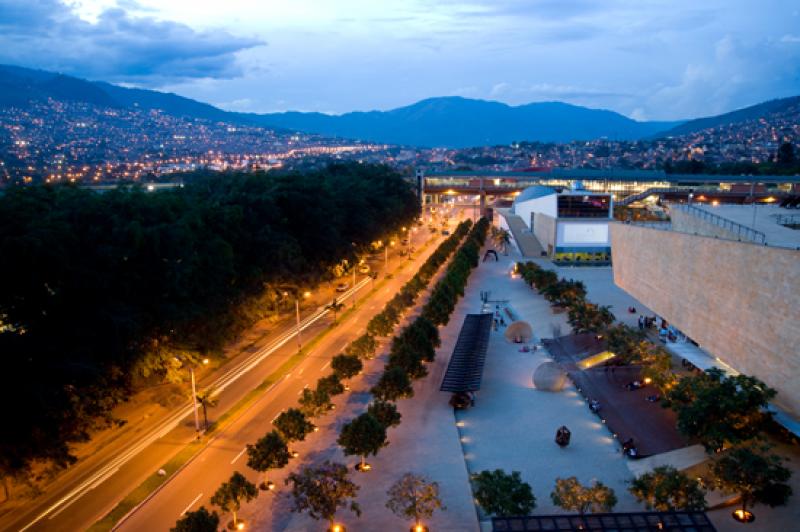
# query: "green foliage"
[[126, 279], [756, 476], [363, 436], [330, 385], [314, 403], [393, 384], [269, 452], [293, 425], [322, 490], [718, 409], [666, 489], [405, 357], [346, 366], [627, 343], [414, 497], [385, 412], [362, 347], [588, 317], [230, 495], [571, 495], [502, 494], [207, 399], [201, 520]]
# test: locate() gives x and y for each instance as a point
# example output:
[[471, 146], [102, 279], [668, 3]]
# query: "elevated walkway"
[[527, 243]]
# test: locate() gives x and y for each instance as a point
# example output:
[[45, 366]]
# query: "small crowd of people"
[[629, 448]]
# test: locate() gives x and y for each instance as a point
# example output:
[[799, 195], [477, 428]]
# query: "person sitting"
[[627, 445], [632, 452], [653, 398], [563, 436], [594, 405]]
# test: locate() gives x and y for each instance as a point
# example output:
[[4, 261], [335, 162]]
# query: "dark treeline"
[[785, 162], [98, 290]]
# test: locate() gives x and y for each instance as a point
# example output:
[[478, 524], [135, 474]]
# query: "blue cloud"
[[117, 47]]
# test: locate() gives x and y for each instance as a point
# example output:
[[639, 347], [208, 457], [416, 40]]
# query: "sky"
[[649, 60]]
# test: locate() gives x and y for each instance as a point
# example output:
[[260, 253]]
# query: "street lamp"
[[297, 314], [194, 396]]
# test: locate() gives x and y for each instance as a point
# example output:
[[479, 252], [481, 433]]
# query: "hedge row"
[[583, 316]]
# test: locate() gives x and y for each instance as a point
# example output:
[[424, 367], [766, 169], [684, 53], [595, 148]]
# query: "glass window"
[[588, 206]]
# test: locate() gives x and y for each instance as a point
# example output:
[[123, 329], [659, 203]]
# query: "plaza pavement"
[[512, 426]]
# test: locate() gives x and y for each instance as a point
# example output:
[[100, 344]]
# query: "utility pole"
[[194, 403]]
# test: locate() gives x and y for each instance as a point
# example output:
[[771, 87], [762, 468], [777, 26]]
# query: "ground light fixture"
[[337, 528], [363, 467], [744, 516], [419, 527]]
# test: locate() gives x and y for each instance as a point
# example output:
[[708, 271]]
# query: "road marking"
[[328, 363], [191, 504], [301, 371], [276, 417], [238, 455], [343, 346]]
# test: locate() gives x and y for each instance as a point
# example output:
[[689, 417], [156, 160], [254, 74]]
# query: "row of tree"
[[99, 290], [728, 415], [322, 490], [567, 294]]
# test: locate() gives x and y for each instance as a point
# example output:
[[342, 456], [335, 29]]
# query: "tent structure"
[[549, 377], [465, 370], [519, 330]]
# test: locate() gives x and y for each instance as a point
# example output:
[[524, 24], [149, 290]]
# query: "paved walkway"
[[513, 425]]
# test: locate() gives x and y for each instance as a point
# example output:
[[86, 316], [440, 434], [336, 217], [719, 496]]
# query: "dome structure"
[[519, 332], [549, 377]]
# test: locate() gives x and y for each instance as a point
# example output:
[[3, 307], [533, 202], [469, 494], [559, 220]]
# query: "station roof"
[[465, 370], [618, 522]]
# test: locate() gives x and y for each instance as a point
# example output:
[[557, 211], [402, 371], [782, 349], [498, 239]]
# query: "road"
[[195, 484], [84, 494]]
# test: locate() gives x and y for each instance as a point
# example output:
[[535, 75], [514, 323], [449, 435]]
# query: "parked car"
[[342, 287]]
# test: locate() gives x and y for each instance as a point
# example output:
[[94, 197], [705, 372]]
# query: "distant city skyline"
[[647, 60]]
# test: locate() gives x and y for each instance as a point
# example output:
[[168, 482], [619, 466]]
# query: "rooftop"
[[762, 218]]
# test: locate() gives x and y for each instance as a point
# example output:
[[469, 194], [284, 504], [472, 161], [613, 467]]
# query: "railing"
[[741, 231], [649, 192], [787, 219]]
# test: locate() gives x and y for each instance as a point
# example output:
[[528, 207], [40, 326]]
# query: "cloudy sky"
[[665, 59]]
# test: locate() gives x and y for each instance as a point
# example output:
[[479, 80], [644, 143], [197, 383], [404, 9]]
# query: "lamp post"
[[297, 315], [194, 398]]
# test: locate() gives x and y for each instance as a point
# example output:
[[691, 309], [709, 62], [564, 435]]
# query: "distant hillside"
[[753, 112], [19, 86], [460, 122]]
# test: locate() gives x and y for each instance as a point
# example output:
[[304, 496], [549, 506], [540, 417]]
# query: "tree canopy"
[[322, 490], [719, 409], [200, 520], [293, 425], [570, 494], [753, 474], [502, 494], [666, 489], [415, 497], [99, 292]]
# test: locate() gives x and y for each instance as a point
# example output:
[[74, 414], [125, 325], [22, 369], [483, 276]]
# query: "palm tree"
[[207, 399], [335, 307], [502, 238]]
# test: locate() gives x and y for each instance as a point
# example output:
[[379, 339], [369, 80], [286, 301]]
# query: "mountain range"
[[436, 122]]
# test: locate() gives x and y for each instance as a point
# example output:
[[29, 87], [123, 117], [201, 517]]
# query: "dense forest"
[[97, 290]]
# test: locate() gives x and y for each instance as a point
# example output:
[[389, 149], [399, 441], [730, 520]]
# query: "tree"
[[385, 412], [718, 409], [393, 384], [207, 399], [627, 343], [201, 520], [381, 324], [334, 306], [293, 425], [229, 496], [588, 317], [414, 497], [666, 489], [346, 366], [322, 490], [502, 238], [269, 452], [570, 494], [756, 476], [785, 154], [330, 385], [405, 357], [502, 494], [362, 436], [362, 347], [314, 403]]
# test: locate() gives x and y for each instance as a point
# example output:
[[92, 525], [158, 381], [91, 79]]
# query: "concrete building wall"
[[738, 301], [584, 233], [544, 228], [688, 223], [545, 205]]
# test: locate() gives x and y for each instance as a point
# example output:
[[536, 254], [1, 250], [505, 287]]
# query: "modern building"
[[728, 278], [571, 226]]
